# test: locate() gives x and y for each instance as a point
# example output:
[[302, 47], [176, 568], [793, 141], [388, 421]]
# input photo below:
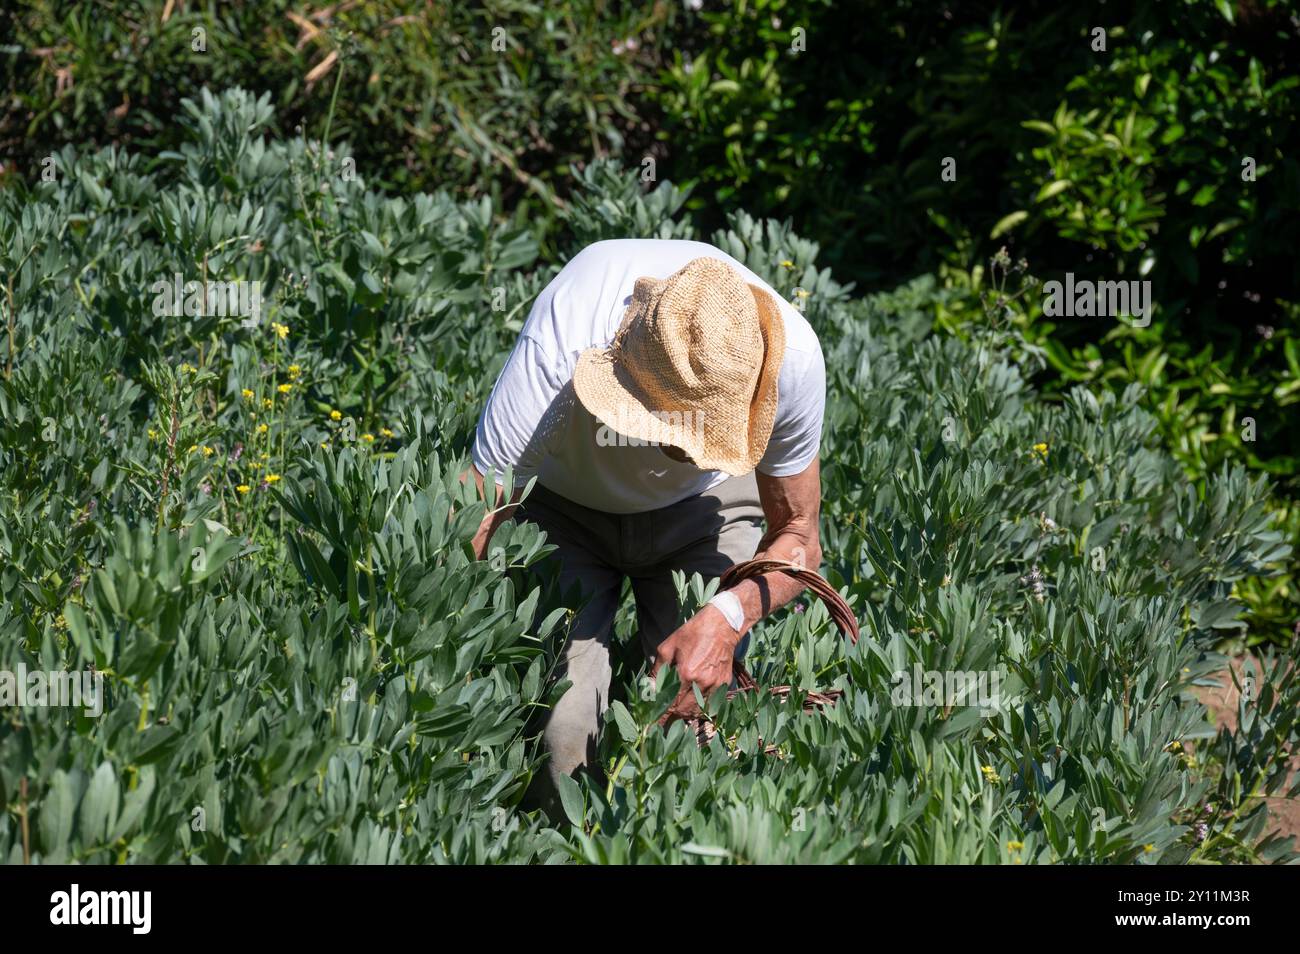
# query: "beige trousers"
[[706, 533]]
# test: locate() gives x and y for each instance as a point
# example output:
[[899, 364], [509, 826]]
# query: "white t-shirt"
[[534, 423]]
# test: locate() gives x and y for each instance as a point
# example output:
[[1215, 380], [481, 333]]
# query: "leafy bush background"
[[300, 653], [1123, 163], [1118, 164]]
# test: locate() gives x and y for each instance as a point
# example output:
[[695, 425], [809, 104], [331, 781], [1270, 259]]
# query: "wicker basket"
[[686, 708]]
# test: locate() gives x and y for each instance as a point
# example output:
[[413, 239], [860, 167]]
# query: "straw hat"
[[694, 365]]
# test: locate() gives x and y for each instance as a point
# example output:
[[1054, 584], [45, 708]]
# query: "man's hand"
[[701, 650], [496, 513]]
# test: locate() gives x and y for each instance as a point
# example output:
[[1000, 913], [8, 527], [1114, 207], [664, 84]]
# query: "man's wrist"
[[729, 605]]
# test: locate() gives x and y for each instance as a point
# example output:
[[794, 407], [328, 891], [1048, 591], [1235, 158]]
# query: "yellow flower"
[[207, 451], [188, 368], [385, 432], [265, 455], [281, 331], [990, 775], [285, 388], [268, 403], [254, 465], [294, 370], [1041, 450], [192, 449], [248, 394], [368, 438], [324, 443], [243, 488], [1015, 845], [262, 428], [787, 264], [803, 293], [153, 435], [272, 478], [1148, 848], [335, 416]]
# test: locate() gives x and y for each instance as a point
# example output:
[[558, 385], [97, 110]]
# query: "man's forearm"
[[766, 594]]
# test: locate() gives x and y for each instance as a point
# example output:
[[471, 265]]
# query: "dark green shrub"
[[496, 97], [1125, 163]]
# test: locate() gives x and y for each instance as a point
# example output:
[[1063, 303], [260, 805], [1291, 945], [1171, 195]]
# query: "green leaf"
[[1221, 615], [335, 271], [1049, 190], [706, 851], [1008, 222], [1039, 126], [571, 799], [99, 806], [55, 817], [78, 630], [626, 724]]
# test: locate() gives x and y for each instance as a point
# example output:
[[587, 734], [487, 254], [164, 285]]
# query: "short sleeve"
[[521, 413], [801, 406]]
